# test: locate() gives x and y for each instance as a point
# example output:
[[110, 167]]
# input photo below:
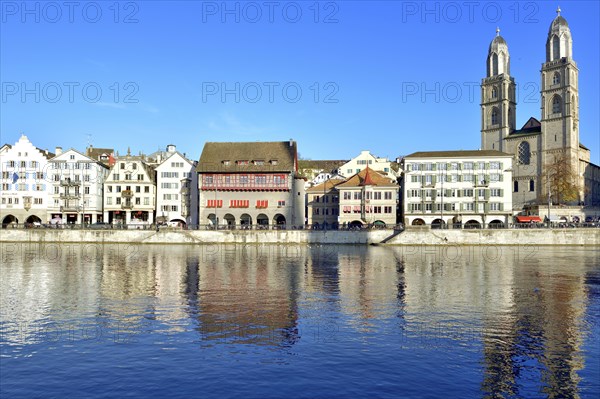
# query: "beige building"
[[323, 204], [130, 192], [254, 184], [368, 197], [540, 147], [464, 188]]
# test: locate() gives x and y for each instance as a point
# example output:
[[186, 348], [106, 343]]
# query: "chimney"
[[291, 142], [171, 148], [58, 151]]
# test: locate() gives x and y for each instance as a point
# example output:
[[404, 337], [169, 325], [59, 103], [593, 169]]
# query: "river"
[[268, 321]]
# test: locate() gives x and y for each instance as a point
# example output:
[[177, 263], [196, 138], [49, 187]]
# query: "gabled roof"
[[83, 155], [368, 177], [532, 126], [171, 154], [325, 186], [96, 153], [272, 156], [323, 165]]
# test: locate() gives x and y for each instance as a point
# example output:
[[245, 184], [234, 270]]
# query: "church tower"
[[560, 97], [498, 104]]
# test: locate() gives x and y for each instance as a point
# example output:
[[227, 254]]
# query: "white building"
[[360, 162], [461, 188], [176, 188], [24, 195], [76, 188], [130, 192]]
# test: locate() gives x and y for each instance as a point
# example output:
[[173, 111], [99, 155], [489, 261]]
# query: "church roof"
[[532, 126], [557, 23]]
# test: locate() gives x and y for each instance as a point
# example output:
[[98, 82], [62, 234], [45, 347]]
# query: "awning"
[[528, 219]]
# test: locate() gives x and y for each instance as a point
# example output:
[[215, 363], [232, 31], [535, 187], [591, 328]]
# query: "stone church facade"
[[539, 143]]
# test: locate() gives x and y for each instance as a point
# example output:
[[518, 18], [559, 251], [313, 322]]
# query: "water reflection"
[[522, 325]]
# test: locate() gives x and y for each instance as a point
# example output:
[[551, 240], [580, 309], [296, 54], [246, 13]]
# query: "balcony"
[[127, 193], [482, 183], [69, 196], [127, 206], [70, 183]]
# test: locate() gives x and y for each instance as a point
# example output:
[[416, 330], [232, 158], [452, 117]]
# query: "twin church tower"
[[538, 144]]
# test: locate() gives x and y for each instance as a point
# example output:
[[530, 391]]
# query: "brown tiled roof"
[[532, 126], [323, 165], [326, 186], [457, 154], [214, 154], [366, 176], [95, 153]]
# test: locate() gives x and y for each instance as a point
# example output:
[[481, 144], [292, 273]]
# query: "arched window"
[[494, 64], [555, 48], [494, 117], [556, 105], [531, 185], [494, 92], [516, 186], [556, 78], [524, 153]]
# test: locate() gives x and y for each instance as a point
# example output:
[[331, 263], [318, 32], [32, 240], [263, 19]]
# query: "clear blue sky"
[[161, 68]]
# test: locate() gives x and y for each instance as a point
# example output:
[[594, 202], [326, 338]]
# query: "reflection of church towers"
[[498, 103]]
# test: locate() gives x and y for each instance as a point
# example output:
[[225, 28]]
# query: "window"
[[377, 195], [347, 195], [387, 209], [495, 165], [38, 201], [146, 201], [115, 176], [127, 176], [467, 178], [169, 174], [414, 179], [118, 188], [494, 177], [122, 165], [137, 201], [147, 189], [495, 192], [86, 190], [556, 105], [357, 195], [516, 186], [259, 162], [138, 189], [214, 203], [531, 185], [243, 179], [495, 119], [118, 201], [242, 162], [140, 177], [262, 204], [524, 153], [280, 203], [274, 162], [56, 190], [23, 164], [556, 78], [134, 166], [260, 179], [239, 203], [494, 92], [495, 206]]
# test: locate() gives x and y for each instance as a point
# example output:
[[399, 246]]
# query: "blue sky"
[[339, 77]]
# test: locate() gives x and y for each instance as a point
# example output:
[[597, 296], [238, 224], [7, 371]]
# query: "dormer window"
[[226, 162], [274, 162], [242, 162], [259, 162]]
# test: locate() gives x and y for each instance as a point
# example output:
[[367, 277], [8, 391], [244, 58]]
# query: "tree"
[[560, 176]]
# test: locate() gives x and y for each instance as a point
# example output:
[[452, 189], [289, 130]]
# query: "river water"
[[218, 321]]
